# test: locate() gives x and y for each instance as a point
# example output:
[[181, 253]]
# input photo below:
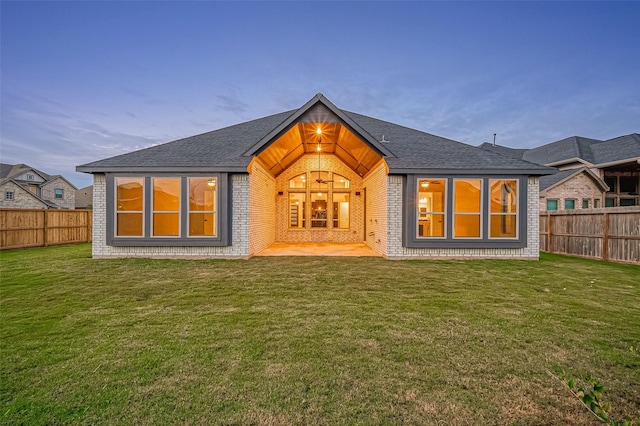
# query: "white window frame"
[[116, 211], [517, 213], [153, 211], [454, 213], [214, 211], [443, 213]]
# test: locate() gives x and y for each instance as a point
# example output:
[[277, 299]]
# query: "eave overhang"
[[294, 118]]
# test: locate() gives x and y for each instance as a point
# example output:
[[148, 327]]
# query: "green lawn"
[[312, 340]]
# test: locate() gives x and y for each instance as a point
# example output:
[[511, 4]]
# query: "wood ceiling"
[[303, 138]]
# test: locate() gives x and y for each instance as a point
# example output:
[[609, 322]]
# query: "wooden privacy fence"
[[607, 233], [20, 228]]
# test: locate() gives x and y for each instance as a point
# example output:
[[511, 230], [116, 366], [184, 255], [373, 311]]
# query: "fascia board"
[[570, 160], [618, 162], [528, 172], [159, 169]]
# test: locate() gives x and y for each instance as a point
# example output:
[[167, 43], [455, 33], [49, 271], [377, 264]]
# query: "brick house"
[[315, 174], [593, 173], [25, 187]]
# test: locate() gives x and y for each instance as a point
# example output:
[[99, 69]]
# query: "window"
[[319, 210], [569, 204], [628, 202], [552, 205], [629, 184], [297, 207], [298, 182], [467, 208], [431, 204], [611, 183], [30, 177], [504, 208], [596, 203], [329, 198], [129, 206], [59, 193], [8, 195], [585, 203], [166, 207], [465, 212], [168, 210], [341, 210], [609, 202], [340, 182], [202, 207]]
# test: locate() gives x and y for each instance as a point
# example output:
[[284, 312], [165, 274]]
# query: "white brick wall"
[[262, 209], [240, 234], [396, 251], [376, 184]]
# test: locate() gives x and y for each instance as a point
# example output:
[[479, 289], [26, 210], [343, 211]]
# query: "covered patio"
[[318, 249]]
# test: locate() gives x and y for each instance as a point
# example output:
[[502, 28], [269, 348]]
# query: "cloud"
[[53, 138], [232, 105]]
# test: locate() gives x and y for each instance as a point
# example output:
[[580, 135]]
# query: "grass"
[[312, 340]]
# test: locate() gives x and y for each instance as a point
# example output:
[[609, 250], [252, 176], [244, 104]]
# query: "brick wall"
[[21, 199], [577, 188], [68, 200], [262, 209], [239, 247], [355, 233], [376, 212], [397, 251]]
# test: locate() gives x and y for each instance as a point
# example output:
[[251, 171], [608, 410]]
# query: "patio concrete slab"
[[318, 249]]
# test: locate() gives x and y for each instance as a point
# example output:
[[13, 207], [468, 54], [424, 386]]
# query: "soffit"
[[319, 130]]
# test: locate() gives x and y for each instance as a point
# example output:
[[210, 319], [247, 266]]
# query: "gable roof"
[[548, 182], [625, 147], [12, 170], [231, 149], [313, 103], [578, 149], [47, 203]]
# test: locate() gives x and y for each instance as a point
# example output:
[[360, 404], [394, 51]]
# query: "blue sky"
[[82, 81]]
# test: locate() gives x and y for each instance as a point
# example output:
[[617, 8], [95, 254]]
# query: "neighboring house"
[[315, 174], [593, 173], [84, 197], [24, 187]]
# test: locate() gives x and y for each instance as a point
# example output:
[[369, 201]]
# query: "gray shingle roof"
[[416, 150], [503, 150], [617, 149], [221, 150], [572, 147], [550, 180]]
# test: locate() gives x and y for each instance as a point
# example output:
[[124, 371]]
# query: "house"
[[593, 173], [25, 187], [315, 174], [84, 197]]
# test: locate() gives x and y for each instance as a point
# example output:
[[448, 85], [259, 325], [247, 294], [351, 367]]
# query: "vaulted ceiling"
[[307, 137]]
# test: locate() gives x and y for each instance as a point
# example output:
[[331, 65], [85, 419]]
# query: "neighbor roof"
[[577, 148], [548, 182], [405, 150]]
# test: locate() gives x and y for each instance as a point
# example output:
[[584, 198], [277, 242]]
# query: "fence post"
[[549, 232], [44, 227], [605, 237], [87, 218]]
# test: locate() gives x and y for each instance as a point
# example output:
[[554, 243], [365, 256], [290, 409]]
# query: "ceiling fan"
[[320, 180]]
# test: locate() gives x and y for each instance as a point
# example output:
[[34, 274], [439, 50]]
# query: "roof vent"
[[383, 140]]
